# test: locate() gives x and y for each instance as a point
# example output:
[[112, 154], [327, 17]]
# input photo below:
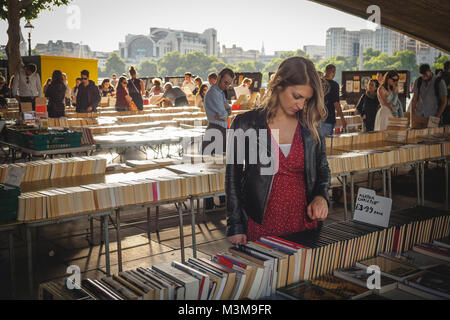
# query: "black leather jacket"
[[247, 189]]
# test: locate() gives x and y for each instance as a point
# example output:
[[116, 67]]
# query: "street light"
[[30, 28]]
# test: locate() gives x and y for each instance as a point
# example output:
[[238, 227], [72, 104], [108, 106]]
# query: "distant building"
[[315, 53], [235, 54], [350, 43], [388, 41], [341, 42], [64, 49], [161, 41]]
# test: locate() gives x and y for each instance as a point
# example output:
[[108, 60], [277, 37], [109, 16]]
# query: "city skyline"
[[287, 26]]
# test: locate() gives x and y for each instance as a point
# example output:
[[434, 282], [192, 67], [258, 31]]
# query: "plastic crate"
[[52, 140], [9, 202]]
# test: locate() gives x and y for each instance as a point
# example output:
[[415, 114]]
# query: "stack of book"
[[119, 191], [397, 129], [57, 168]]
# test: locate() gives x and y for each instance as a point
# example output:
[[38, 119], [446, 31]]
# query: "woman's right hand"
[[238, 239]]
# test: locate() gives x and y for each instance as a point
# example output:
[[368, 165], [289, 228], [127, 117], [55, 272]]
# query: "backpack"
[[436, 88]]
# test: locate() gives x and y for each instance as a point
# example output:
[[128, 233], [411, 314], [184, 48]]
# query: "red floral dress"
[[286, 207]]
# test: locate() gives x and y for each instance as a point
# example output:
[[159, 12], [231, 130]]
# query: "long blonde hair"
[[291, 72]]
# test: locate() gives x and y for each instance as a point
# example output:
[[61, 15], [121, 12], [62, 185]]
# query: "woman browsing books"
[[277, 178], [391, 105], [123, 99]]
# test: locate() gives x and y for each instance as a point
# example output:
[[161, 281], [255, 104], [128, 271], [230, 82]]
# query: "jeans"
[[326, 129]]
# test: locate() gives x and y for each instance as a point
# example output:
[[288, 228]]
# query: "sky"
[[281, 24]]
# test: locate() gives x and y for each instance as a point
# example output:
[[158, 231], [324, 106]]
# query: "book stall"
[[329, 263], [326, 263]]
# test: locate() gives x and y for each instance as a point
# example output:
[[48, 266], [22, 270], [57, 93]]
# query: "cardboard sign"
[[371, 208], [26, 106], [14, 176]]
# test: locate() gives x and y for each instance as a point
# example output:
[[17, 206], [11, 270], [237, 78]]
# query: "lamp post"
[[30, 28]]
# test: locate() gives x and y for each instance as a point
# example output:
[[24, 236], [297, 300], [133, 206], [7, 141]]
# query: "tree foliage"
[[249, 66], [148, 68], [401, 60], [439, 63], [114, 65]]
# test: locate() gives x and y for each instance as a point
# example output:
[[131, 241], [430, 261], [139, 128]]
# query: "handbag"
[[132, 106]]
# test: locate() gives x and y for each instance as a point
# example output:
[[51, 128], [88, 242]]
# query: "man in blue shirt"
[[217, 111]]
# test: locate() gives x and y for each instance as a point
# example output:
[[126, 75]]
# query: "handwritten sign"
[[371, 208]]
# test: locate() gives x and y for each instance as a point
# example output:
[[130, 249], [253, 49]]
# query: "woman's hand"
[[238, 239], [318, 209]]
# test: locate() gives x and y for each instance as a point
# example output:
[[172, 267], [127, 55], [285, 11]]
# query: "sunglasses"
[[84, 78], [395, 80]]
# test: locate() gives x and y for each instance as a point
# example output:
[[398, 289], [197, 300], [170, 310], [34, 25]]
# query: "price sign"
[[371, 208]]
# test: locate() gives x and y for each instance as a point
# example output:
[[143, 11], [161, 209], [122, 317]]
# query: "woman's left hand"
[[318, 209]]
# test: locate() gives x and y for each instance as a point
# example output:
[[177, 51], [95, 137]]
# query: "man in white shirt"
[[188, 84], [27, 85]]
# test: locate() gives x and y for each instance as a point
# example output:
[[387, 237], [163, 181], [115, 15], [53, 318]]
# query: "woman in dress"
[[391, 105], [277, 181], [136, 88]]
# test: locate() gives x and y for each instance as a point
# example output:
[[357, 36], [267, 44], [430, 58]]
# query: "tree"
[[249, 66], [297, 53], [169, 63], [401, 60], [114, 65], [13, 11], [148, 68], [439, 63]]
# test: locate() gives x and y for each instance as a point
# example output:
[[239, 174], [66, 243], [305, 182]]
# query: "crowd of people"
[[379, 102]]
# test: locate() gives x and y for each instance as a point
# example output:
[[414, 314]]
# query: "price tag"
[[14, 176], [371, 208]]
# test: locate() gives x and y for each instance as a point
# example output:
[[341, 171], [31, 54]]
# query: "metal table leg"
[[106, 235], [157, 219], [422, 166], [119, 240], [389, 178], [344, 186], [416, 169], [148, 224], [30, 261], [384, 182], [352, 192], [180, 214], [194, 242], [446, 184], [12, 267], [91, 226]]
